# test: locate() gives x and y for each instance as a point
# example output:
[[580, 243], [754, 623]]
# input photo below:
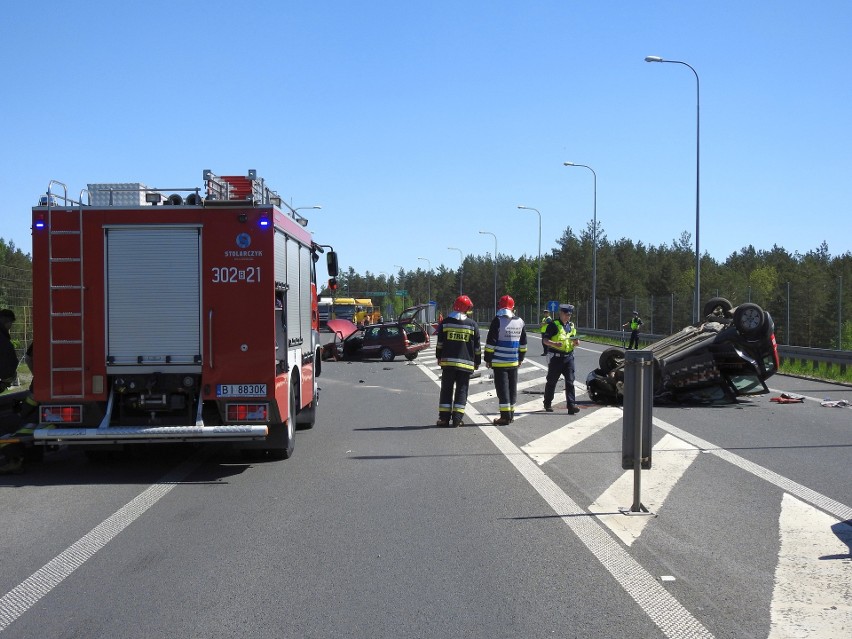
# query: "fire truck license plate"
[[241, 390]]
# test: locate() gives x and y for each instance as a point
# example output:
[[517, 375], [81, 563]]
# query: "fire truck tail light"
[[243, 413], [61, 414]]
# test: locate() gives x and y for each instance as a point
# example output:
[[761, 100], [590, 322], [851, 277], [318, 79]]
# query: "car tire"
[[386, 354], [411, 356], [610, 359], [748, 318], [718, 303]]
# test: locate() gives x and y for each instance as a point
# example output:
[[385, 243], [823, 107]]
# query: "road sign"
[[402, 293], [375, 293]]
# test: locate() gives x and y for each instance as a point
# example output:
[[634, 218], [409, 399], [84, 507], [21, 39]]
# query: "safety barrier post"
[[636, 435]]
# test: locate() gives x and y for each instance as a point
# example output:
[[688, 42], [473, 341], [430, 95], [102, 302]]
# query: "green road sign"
[[402, 293]]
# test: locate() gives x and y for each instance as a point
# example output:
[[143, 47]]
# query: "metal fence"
[[16, 295]]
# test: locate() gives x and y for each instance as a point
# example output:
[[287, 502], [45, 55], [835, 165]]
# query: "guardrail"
[[788, 354]]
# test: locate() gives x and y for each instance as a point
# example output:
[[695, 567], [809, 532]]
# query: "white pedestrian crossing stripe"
[[671, 458], [559, 441], [813, 588]]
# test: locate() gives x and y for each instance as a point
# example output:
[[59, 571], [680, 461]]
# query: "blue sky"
[[415, 125]]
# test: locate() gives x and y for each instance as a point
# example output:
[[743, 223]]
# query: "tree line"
[[808, 295]]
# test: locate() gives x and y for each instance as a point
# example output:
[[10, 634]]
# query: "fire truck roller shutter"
[[153, 295]]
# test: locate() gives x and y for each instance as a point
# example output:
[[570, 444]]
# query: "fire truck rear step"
[[235, 432]]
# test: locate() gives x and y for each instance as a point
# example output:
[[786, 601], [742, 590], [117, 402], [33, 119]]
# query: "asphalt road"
[[382, 525]]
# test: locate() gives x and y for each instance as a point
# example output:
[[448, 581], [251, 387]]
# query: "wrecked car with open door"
[[404, 337]]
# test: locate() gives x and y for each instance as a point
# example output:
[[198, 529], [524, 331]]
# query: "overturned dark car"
[[730, 353], [405, 337]]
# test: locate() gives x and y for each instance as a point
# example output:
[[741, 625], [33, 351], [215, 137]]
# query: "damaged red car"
[[405, 337]]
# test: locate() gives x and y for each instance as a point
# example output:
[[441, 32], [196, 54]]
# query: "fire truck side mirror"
[[331, 262], [332, 284]]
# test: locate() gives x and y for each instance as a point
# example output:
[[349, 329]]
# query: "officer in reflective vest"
[[634, 323], [560, 338]]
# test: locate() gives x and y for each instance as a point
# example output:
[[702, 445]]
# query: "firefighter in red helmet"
[[505, 349], [458, 353]]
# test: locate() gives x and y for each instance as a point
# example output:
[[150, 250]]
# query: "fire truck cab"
[[166, 315]]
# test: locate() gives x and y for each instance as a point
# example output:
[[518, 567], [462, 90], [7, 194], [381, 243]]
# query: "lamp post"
[[594, 244], [428, 281], [529, 208], [654, 58], [495, 265], [461, 267], [302, 221]]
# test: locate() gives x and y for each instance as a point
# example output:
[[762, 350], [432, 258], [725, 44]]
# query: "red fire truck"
[[167, 315]]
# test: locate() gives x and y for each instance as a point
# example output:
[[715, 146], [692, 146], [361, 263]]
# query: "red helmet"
[[462, 304], [506, 302]]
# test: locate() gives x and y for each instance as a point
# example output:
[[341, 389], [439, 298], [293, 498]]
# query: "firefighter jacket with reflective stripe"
[[458, 342], [506, 343], [564, 335]]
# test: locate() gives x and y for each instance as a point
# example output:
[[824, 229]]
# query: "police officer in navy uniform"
[[560, 338]]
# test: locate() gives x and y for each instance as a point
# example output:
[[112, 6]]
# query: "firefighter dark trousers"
[[560, 366], [454, 383], [506, 385]]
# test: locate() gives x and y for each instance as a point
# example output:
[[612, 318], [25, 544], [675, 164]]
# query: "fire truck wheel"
[[286, 432], [308, 415]]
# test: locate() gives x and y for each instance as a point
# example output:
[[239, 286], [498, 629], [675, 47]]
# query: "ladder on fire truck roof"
[[65, 269]]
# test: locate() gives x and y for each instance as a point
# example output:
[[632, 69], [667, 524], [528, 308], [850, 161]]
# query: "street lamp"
[[428, 281], [461, 266], [594, 245], [529, 208], [654, 58], [303, 221], [495, 265]]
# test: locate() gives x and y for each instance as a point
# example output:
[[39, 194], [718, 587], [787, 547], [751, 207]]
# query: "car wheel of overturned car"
[[611, 358], [718, 304], [748, 318], [411, 356], [386, 354]]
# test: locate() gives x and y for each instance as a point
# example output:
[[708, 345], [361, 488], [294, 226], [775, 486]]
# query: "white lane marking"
[[831, 506], [814, 558], [528, 408], [478, 397], [660, 606], [671, 458], [555, 443], [26, 594]]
